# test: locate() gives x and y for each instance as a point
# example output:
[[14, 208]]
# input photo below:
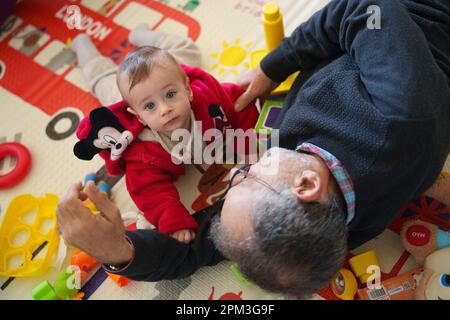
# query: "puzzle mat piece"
[[198, 286], [243, 26], [54, 167], [202, 281], [62, 169]]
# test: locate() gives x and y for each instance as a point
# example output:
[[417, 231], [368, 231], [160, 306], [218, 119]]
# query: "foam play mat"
[[43, 97]]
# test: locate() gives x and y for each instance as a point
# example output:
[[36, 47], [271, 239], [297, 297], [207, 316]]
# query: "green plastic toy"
[[62, 284], [44, 291], [239, 275], [268, 116], [65, 287]]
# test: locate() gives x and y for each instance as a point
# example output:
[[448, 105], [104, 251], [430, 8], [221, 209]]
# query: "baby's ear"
[[132, 111], [136, 115], [189, 89]]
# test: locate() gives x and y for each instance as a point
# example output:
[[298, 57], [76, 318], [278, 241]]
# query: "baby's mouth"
[[171, 121]]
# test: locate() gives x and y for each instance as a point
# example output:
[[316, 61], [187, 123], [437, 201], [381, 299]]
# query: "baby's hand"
[[185, 235]]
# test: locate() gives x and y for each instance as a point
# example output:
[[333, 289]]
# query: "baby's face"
[[162, 101]]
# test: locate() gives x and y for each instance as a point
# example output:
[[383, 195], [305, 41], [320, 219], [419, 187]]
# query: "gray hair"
[[295, 247]]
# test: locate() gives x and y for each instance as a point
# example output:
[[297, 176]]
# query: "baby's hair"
[[137, 64]]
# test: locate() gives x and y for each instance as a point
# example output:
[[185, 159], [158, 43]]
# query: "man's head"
[[287, 230], [156, 89]]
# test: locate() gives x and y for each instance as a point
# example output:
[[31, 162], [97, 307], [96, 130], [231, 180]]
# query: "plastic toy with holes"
[[14, 224]]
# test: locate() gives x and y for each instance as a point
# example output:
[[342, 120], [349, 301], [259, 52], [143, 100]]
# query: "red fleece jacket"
[[149, 171]]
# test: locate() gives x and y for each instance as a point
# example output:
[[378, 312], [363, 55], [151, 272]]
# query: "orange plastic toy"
[[84, 261], [120, 280]]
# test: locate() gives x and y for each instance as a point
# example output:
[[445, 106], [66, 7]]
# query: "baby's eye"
[[149, 106], [170, 94]]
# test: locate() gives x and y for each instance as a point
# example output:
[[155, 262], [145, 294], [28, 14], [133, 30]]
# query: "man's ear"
[[308, 186]]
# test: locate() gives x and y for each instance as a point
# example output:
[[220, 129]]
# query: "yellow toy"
[[273, 25], [344, 285], [274, 34], [19, 237], [360, 265]]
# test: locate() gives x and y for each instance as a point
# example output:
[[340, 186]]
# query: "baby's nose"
[[165, 109]]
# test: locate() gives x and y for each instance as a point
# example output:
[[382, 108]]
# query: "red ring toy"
[[23, 163]]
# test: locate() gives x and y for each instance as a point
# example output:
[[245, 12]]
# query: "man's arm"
[[148, 255], [101, 236], [158, 257], [395, 61]]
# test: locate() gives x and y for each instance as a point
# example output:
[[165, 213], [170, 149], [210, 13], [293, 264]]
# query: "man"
[[364, 129]]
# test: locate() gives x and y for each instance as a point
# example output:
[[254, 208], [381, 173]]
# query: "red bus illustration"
[[39, 28]]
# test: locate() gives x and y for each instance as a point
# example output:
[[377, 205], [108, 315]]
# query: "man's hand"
[[257, 85], [185, 235], [102, 236]]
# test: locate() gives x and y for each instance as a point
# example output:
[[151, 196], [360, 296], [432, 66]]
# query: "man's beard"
[[217, 233]]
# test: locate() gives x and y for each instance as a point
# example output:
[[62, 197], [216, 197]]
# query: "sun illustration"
[[231, 58]]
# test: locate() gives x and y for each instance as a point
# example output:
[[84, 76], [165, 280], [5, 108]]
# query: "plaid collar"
[[339, 172]]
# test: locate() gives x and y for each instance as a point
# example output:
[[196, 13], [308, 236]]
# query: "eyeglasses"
[[243, 173]]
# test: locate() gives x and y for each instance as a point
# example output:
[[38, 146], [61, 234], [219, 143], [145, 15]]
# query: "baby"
[[160, 96], [156, 89]]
